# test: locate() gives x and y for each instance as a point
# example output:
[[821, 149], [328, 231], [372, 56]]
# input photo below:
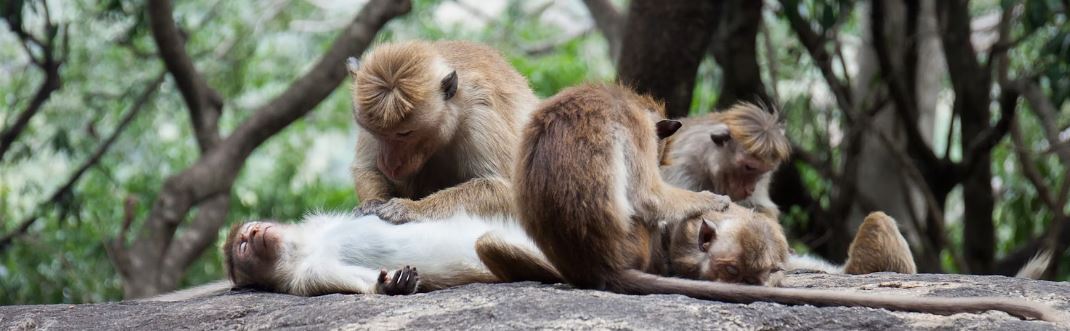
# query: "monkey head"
[[252, 252], [735, 246], [734, 149], [404, 95]]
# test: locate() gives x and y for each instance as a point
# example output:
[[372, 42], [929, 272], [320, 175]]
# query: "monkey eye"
[[731, 270], [243, 246], [720, 138], [404, 134]]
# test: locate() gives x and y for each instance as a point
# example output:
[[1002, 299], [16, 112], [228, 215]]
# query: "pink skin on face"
[[257, 238]]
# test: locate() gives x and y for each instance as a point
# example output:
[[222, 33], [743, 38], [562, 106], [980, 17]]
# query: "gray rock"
[[535, 306]]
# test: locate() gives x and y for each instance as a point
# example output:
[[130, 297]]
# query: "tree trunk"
[[971, 83], [664, 42], [735, 49], [157, 258]]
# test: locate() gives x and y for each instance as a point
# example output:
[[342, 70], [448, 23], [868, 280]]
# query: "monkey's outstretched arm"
[[678, 204], [486, 197]]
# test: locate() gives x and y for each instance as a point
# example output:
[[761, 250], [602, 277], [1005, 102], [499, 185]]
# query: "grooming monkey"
[[587, 183], [437, 126], [735, 152]]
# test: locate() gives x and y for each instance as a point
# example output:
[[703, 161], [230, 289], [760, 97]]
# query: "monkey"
[[731, 246], [877, 247], [1036, 266], [732, 152], [587, 181], [437, 127], [343, 253], [735, 152]]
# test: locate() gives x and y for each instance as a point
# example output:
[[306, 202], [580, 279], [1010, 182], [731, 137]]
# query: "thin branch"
[[984, 142], [815, 46], [904, 100], [1046, 112], [548, 47], [1031, 172], [95, 157]]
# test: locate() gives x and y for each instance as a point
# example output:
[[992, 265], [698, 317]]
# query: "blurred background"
[[133, 133]]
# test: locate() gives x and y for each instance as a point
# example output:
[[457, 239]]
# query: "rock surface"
[[535, 306]]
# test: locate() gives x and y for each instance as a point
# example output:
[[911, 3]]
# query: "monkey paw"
[[403, 282], [394, 211], [367, 205], [717, 202]]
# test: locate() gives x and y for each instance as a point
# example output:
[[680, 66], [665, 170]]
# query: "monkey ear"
[[720, 138], [449, 85], [667, 128], [353, 65], [706, 234]]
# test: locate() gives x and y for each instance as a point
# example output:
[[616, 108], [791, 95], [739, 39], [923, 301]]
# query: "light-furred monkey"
[[437, 127]]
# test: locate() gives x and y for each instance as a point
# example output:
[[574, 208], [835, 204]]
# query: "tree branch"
[[815, 46], [48, 63], [98, 153], [142, 265], [203, 103]]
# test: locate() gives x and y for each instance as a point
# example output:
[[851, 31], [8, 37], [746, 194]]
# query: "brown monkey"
[[735, 151], [732, 152], [437, 126], [878, 246], [587, 183]]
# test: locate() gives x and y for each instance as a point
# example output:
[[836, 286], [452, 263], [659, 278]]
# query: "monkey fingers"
[[365, 205], [394, 211], [404, 281]]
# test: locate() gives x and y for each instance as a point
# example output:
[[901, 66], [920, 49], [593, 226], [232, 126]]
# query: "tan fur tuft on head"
[[758, 131], [393, 80], [763, 243]]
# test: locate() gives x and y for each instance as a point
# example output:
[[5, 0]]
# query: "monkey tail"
[[1035, 268], [638, 282], [511, 263]]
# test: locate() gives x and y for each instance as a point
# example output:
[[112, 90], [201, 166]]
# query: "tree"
[[157, 258]]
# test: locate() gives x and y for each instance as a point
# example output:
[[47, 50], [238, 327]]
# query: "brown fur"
[[878, 246], [465, 142], [512, 264], [759, 248], [568, 193], [572, 153]]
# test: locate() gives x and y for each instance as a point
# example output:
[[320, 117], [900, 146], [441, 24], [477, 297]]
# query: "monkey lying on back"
[[587, 183]]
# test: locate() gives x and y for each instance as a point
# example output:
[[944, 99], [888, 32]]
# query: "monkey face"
[[737, 250], [404, 152], [735, 172], [251, 252]]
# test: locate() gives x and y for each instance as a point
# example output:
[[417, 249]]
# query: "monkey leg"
[[878, 246], [485, 197], [511, 263]]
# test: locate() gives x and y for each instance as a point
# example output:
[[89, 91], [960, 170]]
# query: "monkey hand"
[[394, 211], [717, 202], [367, 204], [403, 281]]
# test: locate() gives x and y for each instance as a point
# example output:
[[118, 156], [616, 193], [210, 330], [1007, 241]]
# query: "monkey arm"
[[485, 197], [369, 181], [675, 204]]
